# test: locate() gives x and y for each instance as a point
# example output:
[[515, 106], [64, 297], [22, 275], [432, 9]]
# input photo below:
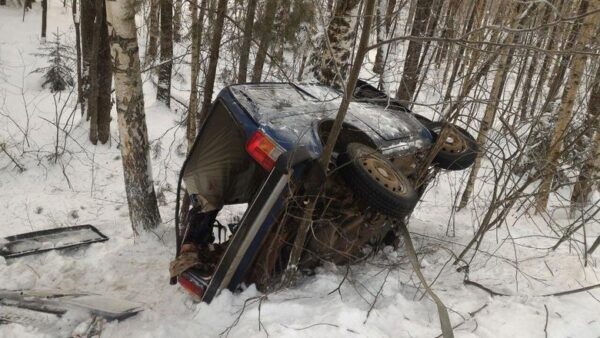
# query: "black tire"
[[374, 180], [458, 154]]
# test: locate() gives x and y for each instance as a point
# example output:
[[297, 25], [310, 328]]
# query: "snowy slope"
[[381, 298]]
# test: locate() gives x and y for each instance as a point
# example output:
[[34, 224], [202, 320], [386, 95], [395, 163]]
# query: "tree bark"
[[561, 69], [213, 60], [153, 31], [492, 106], [265, 39], [247, 41], [330, 61], [589, 176], [486, 123], [567, 103], [197, 20], [177, 21], [133, 133], [459, 54], [100, 78], [104, 79], [378, 65], [410, 75], [76, 18], [44, 18], [163, 92], [93, 74], [306, 222]]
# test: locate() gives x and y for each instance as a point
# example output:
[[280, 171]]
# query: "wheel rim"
[[384, 174], [454, 142]]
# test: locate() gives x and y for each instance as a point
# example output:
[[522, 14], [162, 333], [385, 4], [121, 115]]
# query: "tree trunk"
[[44, 18], [330, 61], [459, 55], [265, 39], [100, 78], [527, 86], [93, 74], [104, 79], [590, 170], [76, 17], [153, 31], [488, 120], [306, 222], [213, 59], [196, 42], [448, 30], [567, 103], [410, 75], [378, 66], [434, 16], [177, 21], [247, 41], [87, 15], [561, 69], [163, 92], [133, 133]]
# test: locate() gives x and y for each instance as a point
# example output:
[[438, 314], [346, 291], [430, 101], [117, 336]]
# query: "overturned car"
[[260, 145]]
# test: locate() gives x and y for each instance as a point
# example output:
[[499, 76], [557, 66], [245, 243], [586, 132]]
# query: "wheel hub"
[[454, 143], [384, 173]]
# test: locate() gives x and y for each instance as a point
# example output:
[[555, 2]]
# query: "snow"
[[85, 186]]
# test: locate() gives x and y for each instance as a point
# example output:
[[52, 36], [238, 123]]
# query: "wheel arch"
[[349, 134]]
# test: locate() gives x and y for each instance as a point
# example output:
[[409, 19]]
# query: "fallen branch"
[[17, 164], [484, 288], [555, 294], [317, 324], [546, 323]]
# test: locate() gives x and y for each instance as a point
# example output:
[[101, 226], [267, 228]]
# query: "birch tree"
[[567, 103], [589, 176], [330, 61], [133, 133], [490, 111]]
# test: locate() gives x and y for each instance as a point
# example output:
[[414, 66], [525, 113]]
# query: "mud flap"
[[53, 239]]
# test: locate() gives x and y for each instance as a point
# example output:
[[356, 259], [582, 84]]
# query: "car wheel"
[[458, 151], [372, 178]]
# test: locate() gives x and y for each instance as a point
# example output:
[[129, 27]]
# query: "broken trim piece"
[[52, 239]]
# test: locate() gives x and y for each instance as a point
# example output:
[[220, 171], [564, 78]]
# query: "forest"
[[369, 168]]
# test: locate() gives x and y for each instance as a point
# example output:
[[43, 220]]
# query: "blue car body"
[[291, 113], [293, 116]]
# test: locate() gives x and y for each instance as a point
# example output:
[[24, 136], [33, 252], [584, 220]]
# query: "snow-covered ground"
[[381, 298]]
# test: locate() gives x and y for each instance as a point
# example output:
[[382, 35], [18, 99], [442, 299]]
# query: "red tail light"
[[187, 282], [264, 150]]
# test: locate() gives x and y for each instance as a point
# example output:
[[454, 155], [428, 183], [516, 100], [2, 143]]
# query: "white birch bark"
[[567, 103], [330, 61], [133, 133]]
